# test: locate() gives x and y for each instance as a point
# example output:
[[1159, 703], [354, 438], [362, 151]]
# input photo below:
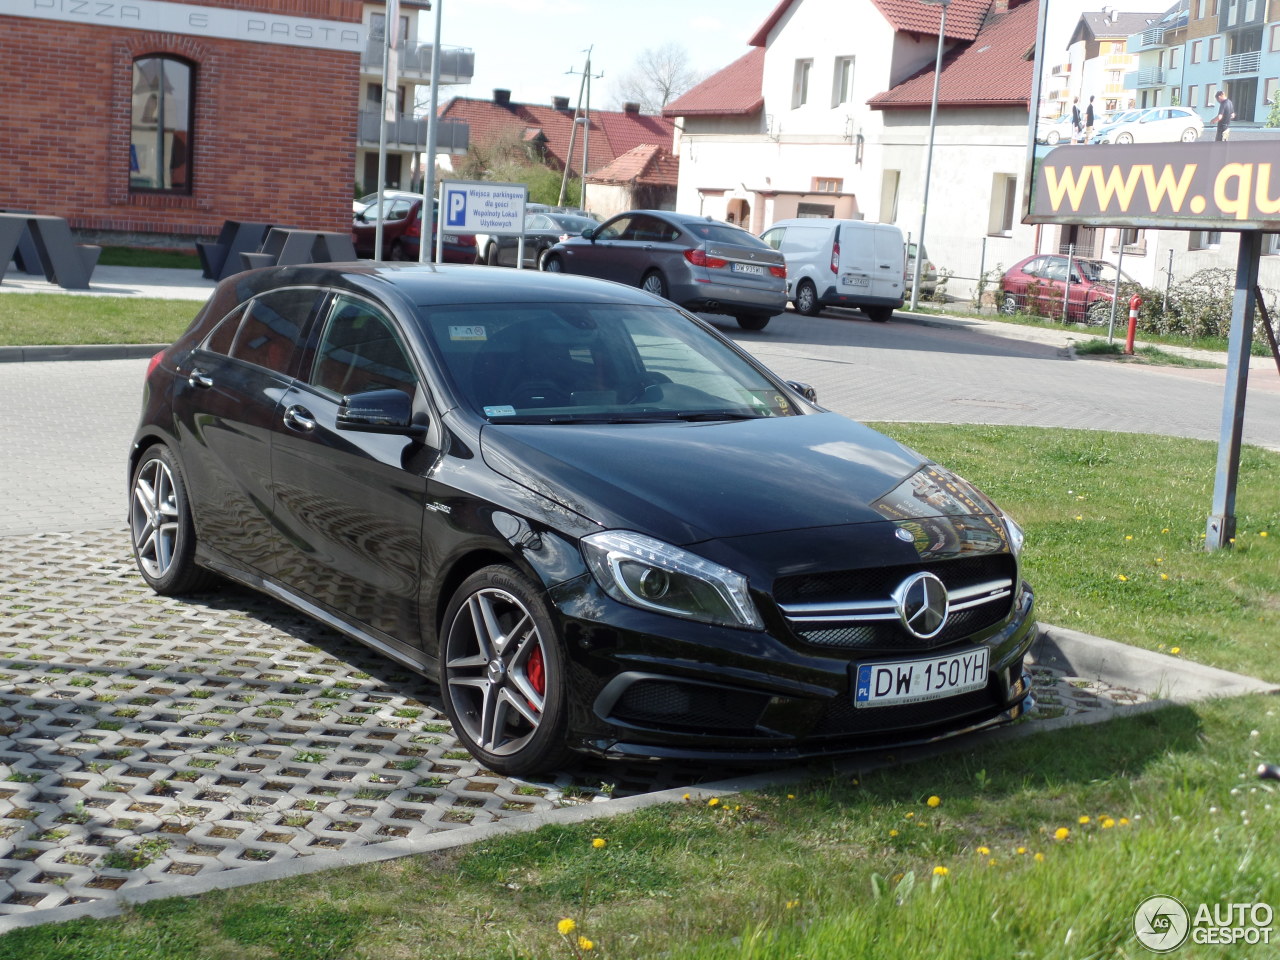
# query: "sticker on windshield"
[[467, 333], [502, 411]]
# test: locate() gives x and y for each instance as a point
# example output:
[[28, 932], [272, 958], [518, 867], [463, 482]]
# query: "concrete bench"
[[68, 264], [285, 246], [221, 258]]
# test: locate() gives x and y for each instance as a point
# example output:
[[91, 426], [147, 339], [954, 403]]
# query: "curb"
[[1174, 680], [98, 351]]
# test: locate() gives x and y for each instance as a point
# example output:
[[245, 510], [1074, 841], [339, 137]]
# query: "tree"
[[656, 78]]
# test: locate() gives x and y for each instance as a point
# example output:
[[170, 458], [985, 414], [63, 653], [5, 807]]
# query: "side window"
[[648, 230], [360, 351], [162, 121], [272, 324], [224, 334], [774, 237], [399, 209], [615, 229]]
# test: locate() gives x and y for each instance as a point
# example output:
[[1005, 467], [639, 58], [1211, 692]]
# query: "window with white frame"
[[1193, 96], [1004, 204], [1175, 58], [1204, 240], [1272, 89], [1275, 37], [1196, 48], [800, 86], [1271, 244], [842, 81], [889, 196], [1133, 240]]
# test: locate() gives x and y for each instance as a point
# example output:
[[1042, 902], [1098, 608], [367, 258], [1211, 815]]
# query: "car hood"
[[689, 482]]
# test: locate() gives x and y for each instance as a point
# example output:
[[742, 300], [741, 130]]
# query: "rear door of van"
[[891, 262], [857, 260]]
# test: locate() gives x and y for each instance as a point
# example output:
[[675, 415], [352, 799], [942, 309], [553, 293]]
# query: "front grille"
[[860, 610], [843, 719], [690, 707]]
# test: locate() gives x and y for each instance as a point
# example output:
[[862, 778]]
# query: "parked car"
[[1153, 125], [1056, 130], [402, 230], [928, 272], [541, 232], [597, 522], [1037, 284], [841, 263], [699, 263]]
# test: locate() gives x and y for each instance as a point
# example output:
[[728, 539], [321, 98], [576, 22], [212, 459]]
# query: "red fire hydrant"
[[1135, 304]]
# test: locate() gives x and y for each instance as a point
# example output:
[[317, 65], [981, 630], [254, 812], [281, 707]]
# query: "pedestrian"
[[1076, 128], [1088, 121], [1226, 113]]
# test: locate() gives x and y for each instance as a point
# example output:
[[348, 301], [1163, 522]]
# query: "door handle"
[[198, 378], [299, 418]]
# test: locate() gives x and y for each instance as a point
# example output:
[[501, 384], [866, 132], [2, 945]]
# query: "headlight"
[[1016, 536], [653, 575]]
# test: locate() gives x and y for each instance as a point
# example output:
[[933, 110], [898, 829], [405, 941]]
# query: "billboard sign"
[[481, 206], [1180, 99]]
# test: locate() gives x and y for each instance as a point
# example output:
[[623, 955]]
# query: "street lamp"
[[928, 163]]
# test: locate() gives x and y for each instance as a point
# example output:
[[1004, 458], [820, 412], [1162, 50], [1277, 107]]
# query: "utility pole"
[[582, 115], [390, 82], [426, 215]]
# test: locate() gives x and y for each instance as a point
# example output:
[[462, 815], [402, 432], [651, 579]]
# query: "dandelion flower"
[[1164, 576], [566, 926], [1165, 530], [713, 802], [893, 833], [991, 862], [1061, 833], [1039, 858], [1128, 536], [1083, 820], [585, 944], [791, 796], [1108, 823], [1159, 559], [1021, 851], [1122, 578], [983, 851], [1175, 650], [599, 842], [1124, 821], [792, 904], [1263, 533], [940, 871], [686, 796], [1079, 517], [910, 814], [934, 801]]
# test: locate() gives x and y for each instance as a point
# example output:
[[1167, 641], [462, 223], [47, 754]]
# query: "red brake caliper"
[[537, 673]]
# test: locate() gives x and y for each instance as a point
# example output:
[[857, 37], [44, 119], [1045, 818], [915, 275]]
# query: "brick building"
[[150, 122]]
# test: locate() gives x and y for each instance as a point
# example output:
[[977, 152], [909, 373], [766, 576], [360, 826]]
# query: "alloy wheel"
[[155, 518]]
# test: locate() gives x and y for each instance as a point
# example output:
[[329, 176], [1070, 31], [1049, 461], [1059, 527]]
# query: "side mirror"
[[377, 411], [804, 389], [589, 234]]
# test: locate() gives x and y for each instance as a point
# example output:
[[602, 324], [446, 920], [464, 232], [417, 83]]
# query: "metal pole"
[[586, 136], [1115, 291], [928, 163], [1066, 292], [429, 214], [982, 272], [1221, 528], [1168, 282], [387, 27], [573, 135]]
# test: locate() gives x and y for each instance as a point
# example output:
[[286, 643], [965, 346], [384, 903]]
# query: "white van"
[[842, 263]]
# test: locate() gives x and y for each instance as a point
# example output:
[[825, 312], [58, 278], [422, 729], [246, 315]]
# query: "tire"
[[807, 299], [1052, 137], [753, 321], [1190, 135], [1124, 138], [879, 314], [503, 675], [1098, 313], [491, 255], [552, 264], [1009, 305], [161, 529], [654, 282], [397, 251]]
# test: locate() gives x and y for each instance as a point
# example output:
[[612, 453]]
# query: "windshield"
[[1099, 271], [592, 363], [571, 223], [721, 233]]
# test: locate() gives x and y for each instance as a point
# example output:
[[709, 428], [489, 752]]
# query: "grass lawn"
[[1041, 847], [60, 319]]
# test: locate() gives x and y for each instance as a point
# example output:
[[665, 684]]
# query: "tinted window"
[[360, 351], [721, 233], [645, 229], [271, 325], [614, 228], [224, 334]]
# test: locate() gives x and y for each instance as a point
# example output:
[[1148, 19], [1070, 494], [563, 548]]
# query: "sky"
[[527, 46]]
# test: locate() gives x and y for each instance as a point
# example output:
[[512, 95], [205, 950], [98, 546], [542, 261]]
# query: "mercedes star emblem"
[[922, 605]]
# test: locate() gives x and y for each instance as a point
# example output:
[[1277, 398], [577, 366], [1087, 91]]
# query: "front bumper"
[[698, 691]]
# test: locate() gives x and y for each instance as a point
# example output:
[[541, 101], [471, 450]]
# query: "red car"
[[1037, 285], [402, 230]]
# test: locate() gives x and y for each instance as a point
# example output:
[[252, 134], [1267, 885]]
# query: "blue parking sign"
[[455, 208]]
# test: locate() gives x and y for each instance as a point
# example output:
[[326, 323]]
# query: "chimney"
[[502, 97], [1115, 16], [560, 103], [630, 107], [1000, 6]]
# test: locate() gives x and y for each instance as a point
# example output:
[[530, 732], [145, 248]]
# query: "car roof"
[[427, 283]]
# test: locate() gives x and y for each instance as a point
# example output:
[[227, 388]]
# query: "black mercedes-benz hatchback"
[[599, 523]]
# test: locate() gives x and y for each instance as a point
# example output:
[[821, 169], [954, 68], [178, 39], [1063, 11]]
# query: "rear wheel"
[[807, 299], [654, 283], [161, 529], [502, 673], [1190, 135], [1124, 138], [552, 264], [753, 321], [1009, 305], [1098, 313], [878, 314]]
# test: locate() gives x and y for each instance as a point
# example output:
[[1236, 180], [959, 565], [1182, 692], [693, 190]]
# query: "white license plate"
[[450, 238], [911, 681], [752, 268], [855, 281]]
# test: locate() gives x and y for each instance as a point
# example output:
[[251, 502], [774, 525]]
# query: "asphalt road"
[[67, 425]]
